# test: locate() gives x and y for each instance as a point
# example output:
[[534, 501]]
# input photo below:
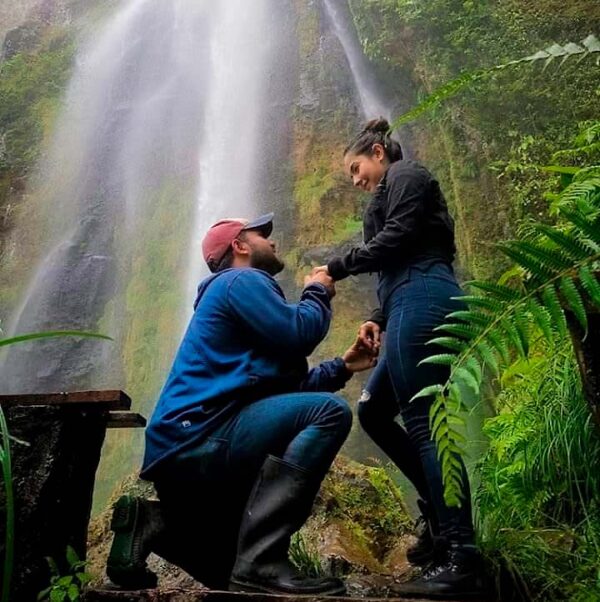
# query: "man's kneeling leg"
[[137, 524], [278, 506]]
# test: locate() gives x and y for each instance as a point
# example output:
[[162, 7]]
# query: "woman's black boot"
[[458, 575], [278, 506]]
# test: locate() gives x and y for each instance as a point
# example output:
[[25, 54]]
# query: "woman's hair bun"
[[377, 125]]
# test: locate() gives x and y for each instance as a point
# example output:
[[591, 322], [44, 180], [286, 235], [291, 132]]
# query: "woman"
[[409, 241]]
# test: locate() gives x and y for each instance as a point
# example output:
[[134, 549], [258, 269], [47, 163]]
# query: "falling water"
[[164, 91], [372, 100]]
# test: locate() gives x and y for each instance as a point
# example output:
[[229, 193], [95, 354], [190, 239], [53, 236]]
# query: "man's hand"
[[358, 357], [322, 277], [369, 335]]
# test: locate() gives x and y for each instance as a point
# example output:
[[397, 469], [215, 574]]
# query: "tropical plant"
[[6, 463], [66, 587], [586, 49], [557, 268]]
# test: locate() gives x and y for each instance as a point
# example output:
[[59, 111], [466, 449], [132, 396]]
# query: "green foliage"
[[304, 557], [538, 511], [558, 265], [66, 588], [30, 88], [589, 47]]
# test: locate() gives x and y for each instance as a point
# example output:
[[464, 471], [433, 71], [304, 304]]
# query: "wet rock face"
[[53, 474]]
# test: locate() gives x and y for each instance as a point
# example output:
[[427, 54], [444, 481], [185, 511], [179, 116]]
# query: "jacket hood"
[[205, 283]]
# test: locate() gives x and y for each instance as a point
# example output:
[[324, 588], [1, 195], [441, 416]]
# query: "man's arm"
[[258, 301], [334, 374]]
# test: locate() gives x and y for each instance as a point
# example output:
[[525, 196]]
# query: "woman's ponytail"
[[376, 131]]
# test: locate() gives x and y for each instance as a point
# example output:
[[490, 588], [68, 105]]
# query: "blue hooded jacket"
[[244, 342]]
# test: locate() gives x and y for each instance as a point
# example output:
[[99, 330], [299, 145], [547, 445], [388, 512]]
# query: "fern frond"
[[573, 247], [501, 291], [541, 318], [590, 284], [449, 342], [552, 303], [573, 298], [444, 359], [490, 303], [460, 330], [488, 357], [588, 47], [471, 317], [590, 227]]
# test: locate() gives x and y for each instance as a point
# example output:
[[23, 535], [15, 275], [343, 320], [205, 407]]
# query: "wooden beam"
[[111, 399], [121, 420]]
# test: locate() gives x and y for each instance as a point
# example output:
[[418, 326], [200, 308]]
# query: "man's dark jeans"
[[204, 489], [416, 303]]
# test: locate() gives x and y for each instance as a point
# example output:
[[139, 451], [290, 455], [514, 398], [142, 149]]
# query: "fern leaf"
[[538, 269], [542, 319], [488, 357], [474, 367], [522, 327], [489, 303], [471, 317], [465, 331], [427, 391], [445, 359], [552, 303], [590, 284], [462, 375], [512, 334], [449, 342], [500, 291], [573, 247], [573, 298], [499, 345], [589, 227]]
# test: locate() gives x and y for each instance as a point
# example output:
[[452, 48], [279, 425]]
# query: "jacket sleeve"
[[378, 317], [407, 190], [329, 376], [259, 303]]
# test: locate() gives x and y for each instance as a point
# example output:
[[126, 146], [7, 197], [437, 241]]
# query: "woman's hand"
[[369, 335], [358, 357], [321, 276]]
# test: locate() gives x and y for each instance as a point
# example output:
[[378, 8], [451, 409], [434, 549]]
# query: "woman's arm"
[[409, 184]]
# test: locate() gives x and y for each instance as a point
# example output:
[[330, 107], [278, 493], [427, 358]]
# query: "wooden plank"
[[110, 399], [121, 420]]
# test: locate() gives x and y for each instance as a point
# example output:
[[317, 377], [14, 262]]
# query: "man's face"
[[262, 252]]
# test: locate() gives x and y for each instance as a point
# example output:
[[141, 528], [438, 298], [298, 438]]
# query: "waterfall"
[[372, 100], [166, 90]]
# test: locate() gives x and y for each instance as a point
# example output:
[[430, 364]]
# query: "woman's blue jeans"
[[415, 303], [204, 489]]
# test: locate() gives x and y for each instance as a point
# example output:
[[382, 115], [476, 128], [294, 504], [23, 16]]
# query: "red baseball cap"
[[219, 237]]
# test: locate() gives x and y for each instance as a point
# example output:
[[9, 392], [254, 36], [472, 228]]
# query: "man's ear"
[[240, 247]]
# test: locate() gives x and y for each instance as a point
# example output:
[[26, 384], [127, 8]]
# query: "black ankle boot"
[[421, 552], [278, 506], [458, 575], [137, 524]]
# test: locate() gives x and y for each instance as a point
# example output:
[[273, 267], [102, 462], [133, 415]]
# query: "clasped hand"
[[321, 275]]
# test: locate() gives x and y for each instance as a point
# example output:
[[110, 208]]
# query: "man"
[[243, 432]]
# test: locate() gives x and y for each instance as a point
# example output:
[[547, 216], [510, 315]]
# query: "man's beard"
[[268, 262]]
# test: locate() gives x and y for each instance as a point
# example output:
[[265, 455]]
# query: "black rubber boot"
[[421, 553], [278, 506], [458, 575], [137, 524]]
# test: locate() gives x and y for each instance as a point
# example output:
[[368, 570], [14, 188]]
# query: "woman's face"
[[366, 171]]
